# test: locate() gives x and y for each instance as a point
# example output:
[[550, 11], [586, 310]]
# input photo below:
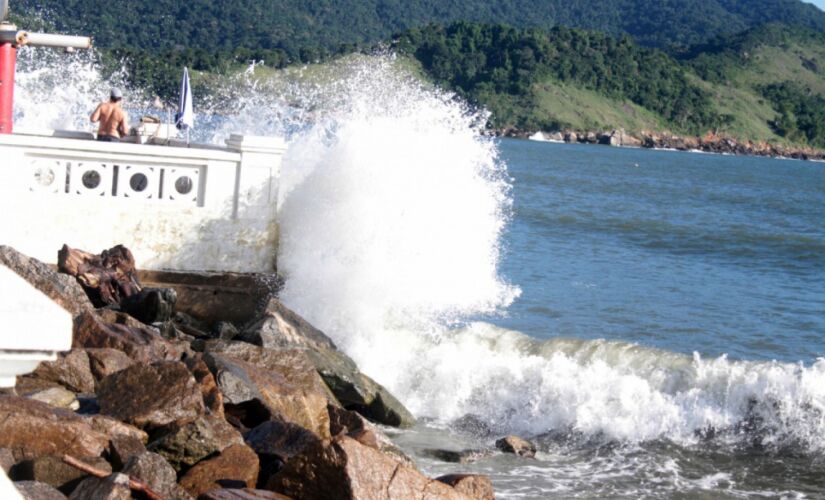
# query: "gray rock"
[[114, 487], [156, 472], [187, 445], [33, 490], [70, 370], [57, 397], [279, 326], [123, 448], [225, 330]]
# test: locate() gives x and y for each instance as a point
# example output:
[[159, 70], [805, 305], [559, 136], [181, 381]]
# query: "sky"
[[818, 3]]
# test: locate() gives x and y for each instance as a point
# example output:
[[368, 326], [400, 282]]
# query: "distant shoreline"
[[709, 143]]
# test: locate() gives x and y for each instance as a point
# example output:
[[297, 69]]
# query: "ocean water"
[[654, 320]]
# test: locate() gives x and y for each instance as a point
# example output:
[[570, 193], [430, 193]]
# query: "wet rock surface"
[[516, 445]]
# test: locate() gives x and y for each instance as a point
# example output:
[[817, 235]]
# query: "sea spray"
[[393, 208]]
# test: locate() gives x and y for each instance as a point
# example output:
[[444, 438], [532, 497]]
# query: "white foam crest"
[[393, 205]]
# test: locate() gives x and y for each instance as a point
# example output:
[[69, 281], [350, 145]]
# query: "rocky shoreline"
[[152, 402], [709, 143]]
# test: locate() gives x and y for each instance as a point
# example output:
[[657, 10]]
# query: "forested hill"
[[304, 29]]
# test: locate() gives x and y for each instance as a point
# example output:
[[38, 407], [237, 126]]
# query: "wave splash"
[[392, 213]]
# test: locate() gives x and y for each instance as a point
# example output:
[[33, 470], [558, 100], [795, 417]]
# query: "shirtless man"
[[112, 118]]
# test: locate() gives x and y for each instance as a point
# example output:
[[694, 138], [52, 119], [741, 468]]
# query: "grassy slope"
[[737, 96]]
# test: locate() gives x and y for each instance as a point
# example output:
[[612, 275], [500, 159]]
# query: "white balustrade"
[[178, 208]]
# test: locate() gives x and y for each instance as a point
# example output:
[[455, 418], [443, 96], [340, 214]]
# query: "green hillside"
[[307, 29]]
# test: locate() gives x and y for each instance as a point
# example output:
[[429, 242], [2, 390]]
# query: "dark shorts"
[[108, 138]]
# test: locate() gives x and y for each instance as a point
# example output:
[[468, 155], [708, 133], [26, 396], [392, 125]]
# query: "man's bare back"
[[112, 120]]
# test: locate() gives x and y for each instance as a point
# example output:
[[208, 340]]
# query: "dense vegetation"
[[490, 64], [307, 28], [801, 115]]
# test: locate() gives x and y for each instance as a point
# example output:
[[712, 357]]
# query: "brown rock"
[[152, 396], [62, 289], [114, 487], [235, 466], [115, 428], [142, 343], [32, 429], [352, 424], [32, 490], [244, 494], [240, 381], [212, 397], [279, 327], [517, 445], [187, 445], [70, 370], [105, 361], [346, 469], [156, 472], [51, 470], [474, 486]]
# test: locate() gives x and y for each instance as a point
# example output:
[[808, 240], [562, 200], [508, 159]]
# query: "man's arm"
[[122, 128], [95, 115]]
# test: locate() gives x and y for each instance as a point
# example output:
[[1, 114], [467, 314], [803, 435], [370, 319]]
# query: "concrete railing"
[[177, 208]]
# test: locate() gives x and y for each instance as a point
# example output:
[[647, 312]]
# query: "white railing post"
[[259, 171]]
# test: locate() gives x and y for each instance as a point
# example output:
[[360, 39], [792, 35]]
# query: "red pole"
[[8, 60]]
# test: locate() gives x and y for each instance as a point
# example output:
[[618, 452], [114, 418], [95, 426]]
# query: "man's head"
[[116, 95]]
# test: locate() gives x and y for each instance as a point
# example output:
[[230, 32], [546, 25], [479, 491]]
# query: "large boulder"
[[32, 429], [280, 327], [187, 445], [346, 469], [473, 485], [107, 278], [152, 396], [62, 289], [235, 466], [241, 382], [108, 329]]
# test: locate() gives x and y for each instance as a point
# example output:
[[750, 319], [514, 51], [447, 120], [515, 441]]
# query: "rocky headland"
[[709, 143], [154, 401]]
